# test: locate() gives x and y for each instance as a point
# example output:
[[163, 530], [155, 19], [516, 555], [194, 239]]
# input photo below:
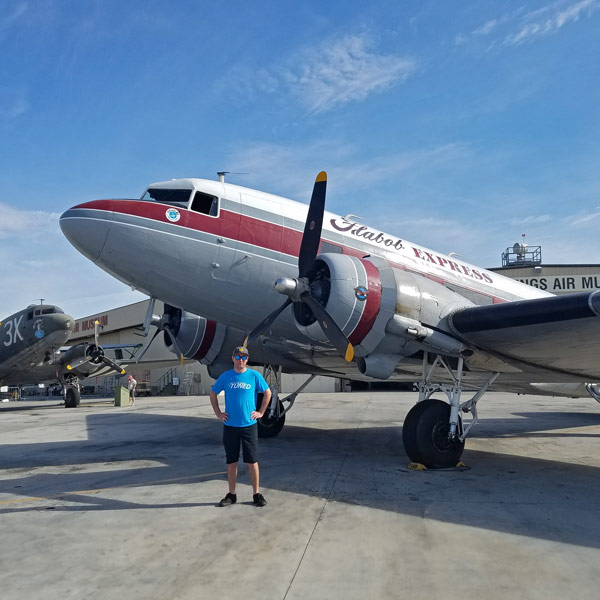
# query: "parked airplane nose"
[[86, 226]]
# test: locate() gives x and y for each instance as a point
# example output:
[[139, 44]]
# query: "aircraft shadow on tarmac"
[[358, 465]]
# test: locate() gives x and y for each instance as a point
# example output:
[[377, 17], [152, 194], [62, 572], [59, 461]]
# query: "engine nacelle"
[[196, 337], [201, 339], [386, 313]]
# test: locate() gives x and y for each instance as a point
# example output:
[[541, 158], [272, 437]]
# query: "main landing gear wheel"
[[425, 435], [72, 398], [270, 426]]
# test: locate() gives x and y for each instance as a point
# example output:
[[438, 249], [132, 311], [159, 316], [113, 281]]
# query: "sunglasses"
[[240, 357]]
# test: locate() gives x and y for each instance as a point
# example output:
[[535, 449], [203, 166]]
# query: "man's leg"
[[232, 469], [254, 476]]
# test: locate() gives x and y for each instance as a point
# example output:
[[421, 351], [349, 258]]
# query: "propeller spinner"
[[305, 292]]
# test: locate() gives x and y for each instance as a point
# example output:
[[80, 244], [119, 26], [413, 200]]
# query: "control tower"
[[524, 263], [522, 255]]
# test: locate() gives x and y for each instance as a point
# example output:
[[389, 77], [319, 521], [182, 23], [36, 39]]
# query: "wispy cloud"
[[530, 220], [584, 220], [346, 168], [33, 223], [342, 71], [518, 27], [537, 25], [339, 71]]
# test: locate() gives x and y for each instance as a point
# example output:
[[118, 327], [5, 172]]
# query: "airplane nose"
[[59, 322], [86, 226]]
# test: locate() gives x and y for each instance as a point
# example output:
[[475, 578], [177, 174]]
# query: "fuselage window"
[[205, 204], [177, 197]]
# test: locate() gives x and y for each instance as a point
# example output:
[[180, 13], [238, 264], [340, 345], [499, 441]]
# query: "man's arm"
[[214, 400], [257, 414]]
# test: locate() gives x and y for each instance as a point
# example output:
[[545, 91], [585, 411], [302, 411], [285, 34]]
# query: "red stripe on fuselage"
[[232, 225], [243, 228], [372, 304]]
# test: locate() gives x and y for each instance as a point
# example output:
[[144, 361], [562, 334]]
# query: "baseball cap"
[[241, 350]]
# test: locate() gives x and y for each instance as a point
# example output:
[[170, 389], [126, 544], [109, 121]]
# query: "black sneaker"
[[228, 500], [259, 499]]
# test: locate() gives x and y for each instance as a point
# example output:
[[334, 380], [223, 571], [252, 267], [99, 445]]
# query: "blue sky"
[[454, 124]]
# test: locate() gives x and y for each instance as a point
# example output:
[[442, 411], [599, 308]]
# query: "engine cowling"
[[201, 339], [387, 313], [196, 337]]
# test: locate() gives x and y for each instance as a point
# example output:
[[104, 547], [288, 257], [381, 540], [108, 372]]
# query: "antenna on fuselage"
[[222, 174]]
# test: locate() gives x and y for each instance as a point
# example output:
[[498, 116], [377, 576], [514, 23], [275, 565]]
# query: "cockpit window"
[[177, 197], [205, 204]]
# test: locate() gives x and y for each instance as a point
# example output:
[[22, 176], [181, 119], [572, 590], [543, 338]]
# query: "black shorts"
[[247, 437]]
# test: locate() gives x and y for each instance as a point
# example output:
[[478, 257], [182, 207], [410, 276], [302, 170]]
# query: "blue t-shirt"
[[240, 395]]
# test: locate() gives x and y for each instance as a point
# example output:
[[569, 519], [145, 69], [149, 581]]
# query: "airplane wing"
[[560, 333]]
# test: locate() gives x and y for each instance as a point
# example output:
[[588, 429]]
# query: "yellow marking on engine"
[[349, 353]]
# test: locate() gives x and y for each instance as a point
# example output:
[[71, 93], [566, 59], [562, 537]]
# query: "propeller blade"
[[149, 315], [96, 329], [78, 362], [330, 328], [313, 226], [173, 341], [145, 349], [113, 365], [266, 323]]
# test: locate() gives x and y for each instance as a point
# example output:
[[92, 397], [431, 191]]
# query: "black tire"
[[72, 398], [270, 427], [409, 432], [426, 436]]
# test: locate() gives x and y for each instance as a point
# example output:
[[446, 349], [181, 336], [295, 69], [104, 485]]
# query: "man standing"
[[241, 386], [131, 385]]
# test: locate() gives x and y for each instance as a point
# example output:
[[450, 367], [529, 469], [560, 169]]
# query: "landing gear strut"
[[273, 420], [433, 433]]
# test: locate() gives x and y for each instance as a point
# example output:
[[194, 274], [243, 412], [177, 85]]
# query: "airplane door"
[[261, 235], [227, 239]]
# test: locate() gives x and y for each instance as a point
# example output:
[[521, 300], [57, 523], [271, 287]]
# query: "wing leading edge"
[[561, 333]]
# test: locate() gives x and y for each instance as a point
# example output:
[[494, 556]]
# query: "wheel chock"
[[414, 466]]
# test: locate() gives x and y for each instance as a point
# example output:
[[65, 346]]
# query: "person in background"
[[132, 383]]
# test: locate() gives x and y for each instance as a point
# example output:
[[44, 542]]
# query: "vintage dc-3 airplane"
[[365, 304], [33, 351]]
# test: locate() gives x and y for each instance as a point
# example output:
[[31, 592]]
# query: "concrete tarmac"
[[103, 502]]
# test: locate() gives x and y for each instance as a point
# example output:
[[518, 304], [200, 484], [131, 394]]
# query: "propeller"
[[309, 291], [94, 354], [168, 323]]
